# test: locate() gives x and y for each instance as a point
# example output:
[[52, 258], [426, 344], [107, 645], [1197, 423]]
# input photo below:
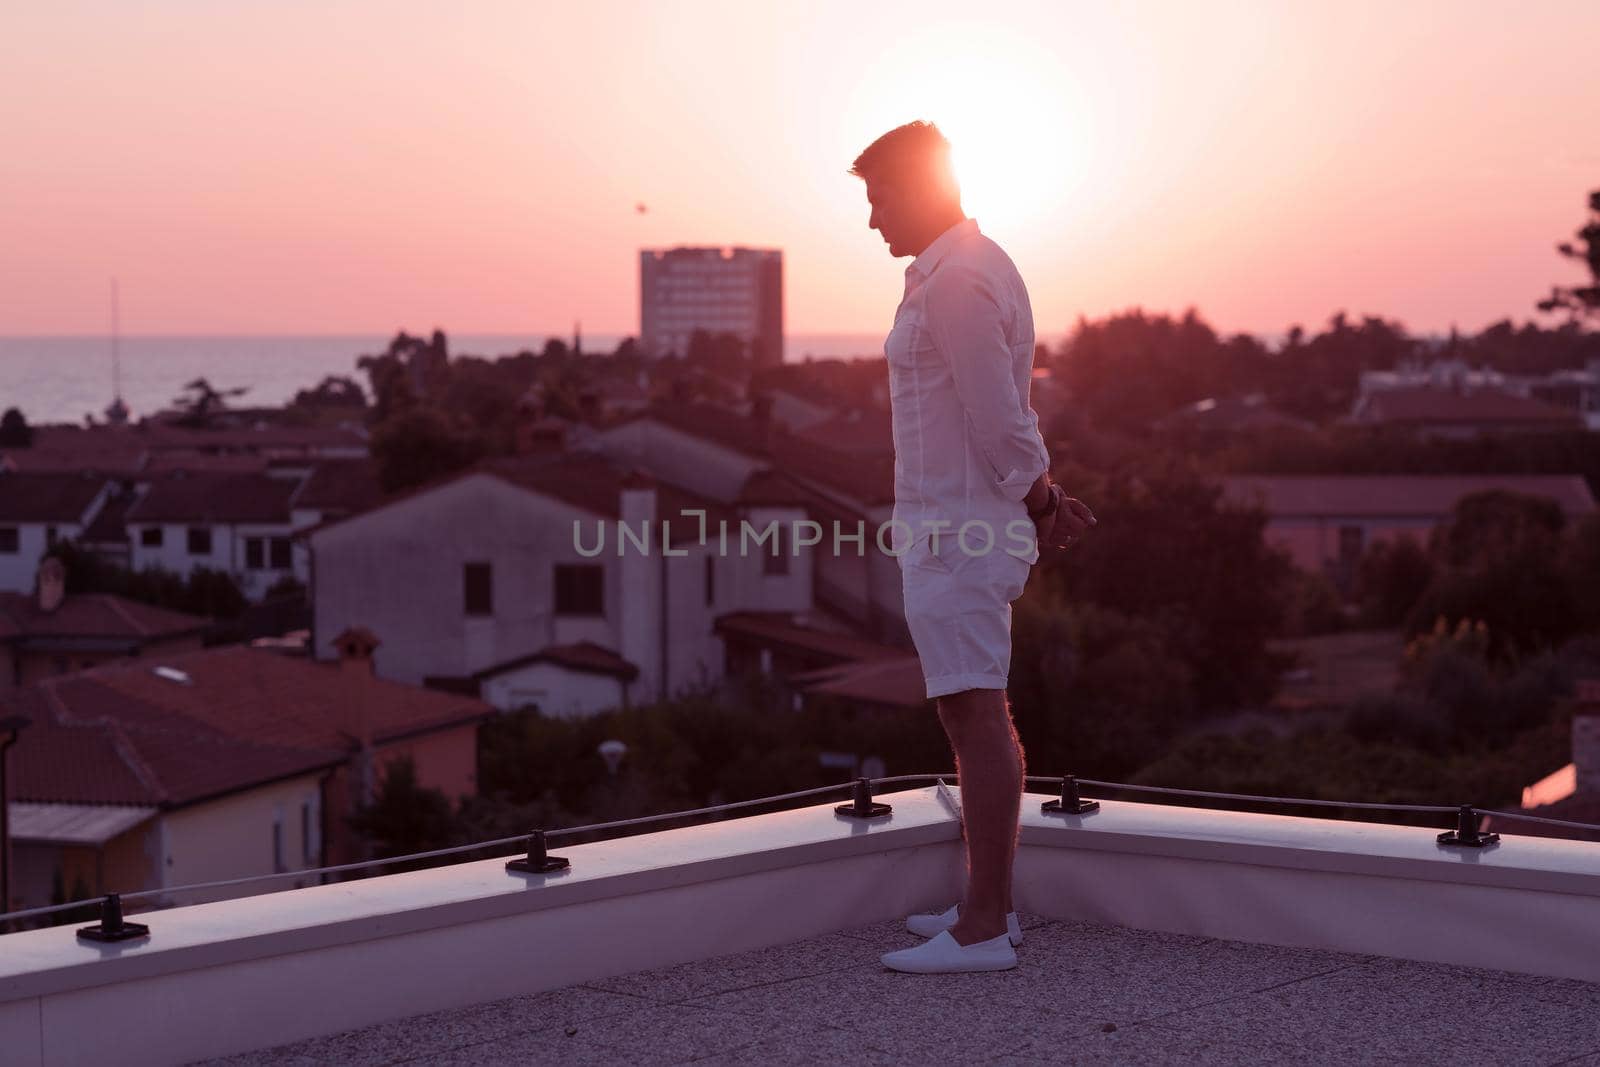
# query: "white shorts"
[[958, 609]]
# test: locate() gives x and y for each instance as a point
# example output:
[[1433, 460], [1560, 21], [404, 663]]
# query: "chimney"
[[51, 584], [356, 665], [761, 415], [641, 629], [1586, 737]]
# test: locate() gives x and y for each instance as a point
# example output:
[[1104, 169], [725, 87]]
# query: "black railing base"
[[111, 926], [1070, 803], [1466, 834], [863, 806], [536, 862]]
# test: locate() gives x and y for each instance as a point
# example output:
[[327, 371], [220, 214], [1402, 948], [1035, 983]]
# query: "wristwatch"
[[1047, 508]]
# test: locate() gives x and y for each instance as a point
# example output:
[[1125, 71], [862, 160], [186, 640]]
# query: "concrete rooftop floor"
[[1084, 993]]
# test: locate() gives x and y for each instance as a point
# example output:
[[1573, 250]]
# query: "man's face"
[[891, 215]]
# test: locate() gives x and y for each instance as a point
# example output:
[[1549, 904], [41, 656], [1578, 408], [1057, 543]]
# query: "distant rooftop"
[[1395, 495]]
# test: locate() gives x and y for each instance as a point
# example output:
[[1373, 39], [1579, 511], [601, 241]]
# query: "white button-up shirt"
[[966, 440]]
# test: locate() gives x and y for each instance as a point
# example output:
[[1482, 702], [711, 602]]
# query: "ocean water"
[[62, 379]]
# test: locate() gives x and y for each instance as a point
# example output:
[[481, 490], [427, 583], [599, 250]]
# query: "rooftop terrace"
[[1155, 933], [1085, 993]]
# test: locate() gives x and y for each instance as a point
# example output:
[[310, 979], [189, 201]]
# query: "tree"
[[1391, 577], [419, 445], [405, 817], [205, 592], [14, 430], [1501, 560], [1167, 549], [334, 391], [200, 401], [1580, 300]]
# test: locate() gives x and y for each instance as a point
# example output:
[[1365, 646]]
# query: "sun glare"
[[1010, 110]]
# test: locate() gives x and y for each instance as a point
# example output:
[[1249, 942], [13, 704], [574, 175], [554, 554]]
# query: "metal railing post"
[[1070, 803], [1466, 833], [536, 862], [863, 807], [111, 927]]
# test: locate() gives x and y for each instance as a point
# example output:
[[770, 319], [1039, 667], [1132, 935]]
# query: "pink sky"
[[361, 167]]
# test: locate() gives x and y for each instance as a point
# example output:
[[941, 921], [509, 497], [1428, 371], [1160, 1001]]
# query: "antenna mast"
[[116, 354], [116, 411]]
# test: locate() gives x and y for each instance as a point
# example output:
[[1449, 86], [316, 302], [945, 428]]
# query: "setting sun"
[[1010, 110]]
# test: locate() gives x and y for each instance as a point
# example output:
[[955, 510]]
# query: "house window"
[[254, 557], [8, 540], [199, 540], [150, 537], [281, 560], [777, 560], [49, 536], [580, 589], [711, 579], [477, 589], [277, 840]]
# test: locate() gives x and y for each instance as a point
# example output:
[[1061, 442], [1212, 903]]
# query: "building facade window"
[[254, 557], [150, 537], [10, 541], [580, 589], [199, 540], [477, 589], [282, 558], [777, 559], [50, 537]]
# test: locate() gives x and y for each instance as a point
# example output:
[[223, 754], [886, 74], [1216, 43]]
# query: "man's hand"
[[1063, 526]]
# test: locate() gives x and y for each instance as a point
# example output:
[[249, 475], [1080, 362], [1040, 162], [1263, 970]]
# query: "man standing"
[[974, 501]]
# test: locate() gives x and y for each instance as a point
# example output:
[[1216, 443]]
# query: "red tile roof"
[[164, 461], [116, 451], [340, 486], [93, 615], [860, 430], [262, 437], [864, 479], [46, 496], [783, 628], [1394, 495], [110, 525], [1435, 406], [205, 497], [122, 734], [89, 745], [583, 656], [586, 480]]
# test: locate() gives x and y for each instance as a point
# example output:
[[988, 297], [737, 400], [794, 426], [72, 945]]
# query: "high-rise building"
[[719, 290]]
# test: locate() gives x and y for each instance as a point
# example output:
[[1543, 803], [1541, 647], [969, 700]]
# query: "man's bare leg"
[[989, 761]]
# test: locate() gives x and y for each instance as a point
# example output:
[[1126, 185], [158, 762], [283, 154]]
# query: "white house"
[[546, 579], [37, 509], [751, 461], [237, 522]]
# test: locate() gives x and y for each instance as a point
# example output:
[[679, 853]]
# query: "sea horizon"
[[62, 378]]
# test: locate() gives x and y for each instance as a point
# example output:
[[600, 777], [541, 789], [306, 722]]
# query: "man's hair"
[[916, 155]]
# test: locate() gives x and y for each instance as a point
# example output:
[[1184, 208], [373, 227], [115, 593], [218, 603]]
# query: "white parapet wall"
[[231, 976]]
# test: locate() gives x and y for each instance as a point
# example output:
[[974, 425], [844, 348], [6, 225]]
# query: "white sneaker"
[[927, 925], [944, 954]]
